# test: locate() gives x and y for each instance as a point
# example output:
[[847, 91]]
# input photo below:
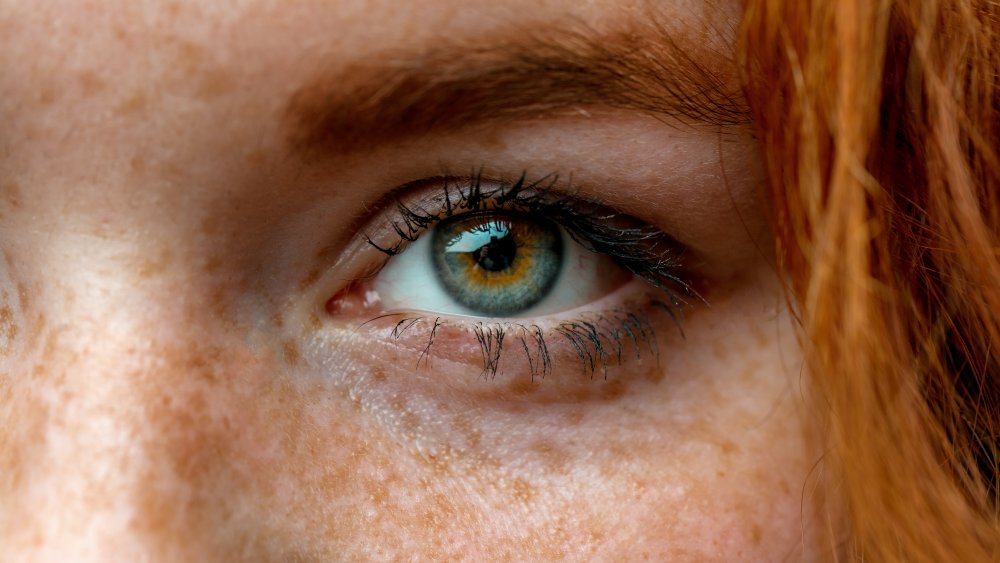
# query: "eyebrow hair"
[[456, 84]]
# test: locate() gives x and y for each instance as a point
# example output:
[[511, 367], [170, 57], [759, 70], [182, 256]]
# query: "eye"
[[468, 263], [496, 264]]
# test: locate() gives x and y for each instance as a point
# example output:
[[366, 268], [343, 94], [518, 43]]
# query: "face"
[[323, 280]]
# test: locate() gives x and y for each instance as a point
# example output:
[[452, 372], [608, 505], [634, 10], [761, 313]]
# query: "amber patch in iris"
[[522, 263], [498, 263]]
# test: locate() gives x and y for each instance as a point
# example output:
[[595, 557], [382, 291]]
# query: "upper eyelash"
[[642, 250]]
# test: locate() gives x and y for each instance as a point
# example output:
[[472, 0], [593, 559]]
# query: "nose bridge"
[[97, 472], [109, 426]]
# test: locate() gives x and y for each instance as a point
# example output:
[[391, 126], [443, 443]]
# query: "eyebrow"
[[453, 85]]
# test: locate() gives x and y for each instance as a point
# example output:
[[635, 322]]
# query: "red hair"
[[879, 123]]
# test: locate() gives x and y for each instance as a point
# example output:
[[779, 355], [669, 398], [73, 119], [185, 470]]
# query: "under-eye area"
[[521, 278]]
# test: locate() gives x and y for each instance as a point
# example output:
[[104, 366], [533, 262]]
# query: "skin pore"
[[174, 385]]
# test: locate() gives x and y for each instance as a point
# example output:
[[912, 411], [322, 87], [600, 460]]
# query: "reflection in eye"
[[499, 266], [496, 264], [519, 261]]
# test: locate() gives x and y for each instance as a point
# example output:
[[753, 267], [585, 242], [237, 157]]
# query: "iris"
[[497, 264]]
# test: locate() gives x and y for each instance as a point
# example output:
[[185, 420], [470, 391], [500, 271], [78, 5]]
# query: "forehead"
[[258, 32], [176, 44], [75, 71]]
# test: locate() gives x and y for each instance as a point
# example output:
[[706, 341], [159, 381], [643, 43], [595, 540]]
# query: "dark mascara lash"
[[642, 250]]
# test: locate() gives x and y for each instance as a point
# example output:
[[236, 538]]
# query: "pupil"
[[496, 255]]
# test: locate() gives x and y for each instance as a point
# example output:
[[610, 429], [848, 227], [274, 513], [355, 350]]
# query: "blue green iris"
[[497, 264]]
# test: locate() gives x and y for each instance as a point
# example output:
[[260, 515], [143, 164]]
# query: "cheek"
[[323, 452], [698, 455]]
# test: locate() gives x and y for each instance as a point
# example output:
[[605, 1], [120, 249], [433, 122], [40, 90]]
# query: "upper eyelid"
[[645, 250]]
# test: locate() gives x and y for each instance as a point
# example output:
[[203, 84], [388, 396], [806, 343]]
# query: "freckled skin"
[[171, 389]]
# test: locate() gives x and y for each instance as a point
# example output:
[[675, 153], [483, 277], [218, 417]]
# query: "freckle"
[[439, 463], [728, 447], [473, 437], [291, 353], [411, 423], [554, 457], [543, 447], [255, 157], [134, 103], [151, 267], [613, 389], [310, 279], [756, 534], [443, 504], [8, 327], [336, 476], [190, 56], [523, 386], [574, 417], [90, 83], [13, 195], [213, 264], [377, 492], [214, 84], [315, 323], [524, 492], [47, 96], [431, 520], [137, 165], [655, 374]]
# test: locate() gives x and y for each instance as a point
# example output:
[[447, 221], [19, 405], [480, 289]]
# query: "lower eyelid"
[[590, 341]]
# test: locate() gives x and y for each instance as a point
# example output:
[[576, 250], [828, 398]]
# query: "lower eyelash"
[[599, 341]]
